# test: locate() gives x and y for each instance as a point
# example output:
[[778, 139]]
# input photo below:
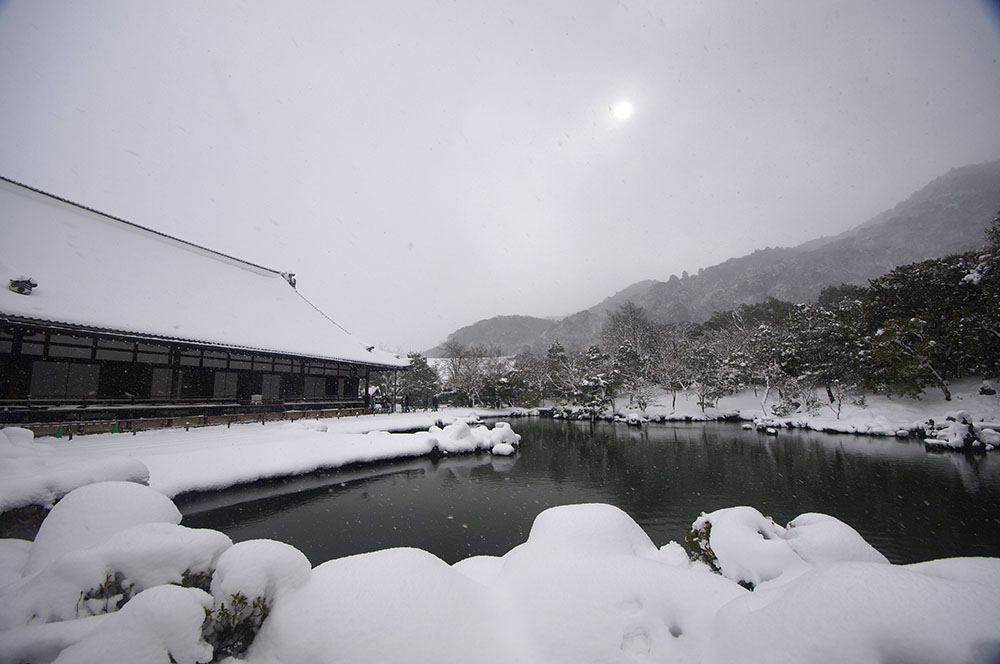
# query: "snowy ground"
[[175, 460], [103, 579]]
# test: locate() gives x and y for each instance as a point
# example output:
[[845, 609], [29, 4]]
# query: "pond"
[[910, 504]]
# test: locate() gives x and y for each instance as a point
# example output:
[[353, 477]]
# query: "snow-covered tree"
[[420, 383], [634, 344]]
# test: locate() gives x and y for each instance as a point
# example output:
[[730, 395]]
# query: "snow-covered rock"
[[460, 438], [502, 449]]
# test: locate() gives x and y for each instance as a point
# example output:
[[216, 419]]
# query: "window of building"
[[226, 383], [63, 379], [160, 386], [271, 387], [315, 387]]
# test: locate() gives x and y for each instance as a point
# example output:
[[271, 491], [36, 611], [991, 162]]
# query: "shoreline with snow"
[[175, 461], [112, 575]]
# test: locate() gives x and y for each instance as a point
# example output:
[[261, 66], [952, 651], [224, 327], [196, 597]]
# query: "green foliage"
[[232, 625], [697, 541], [107, 597], [420, 383], [201, 580]]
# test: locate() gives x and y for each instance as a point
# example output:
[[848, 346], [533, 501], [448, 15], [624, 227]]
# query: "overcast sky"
[[422, 165]]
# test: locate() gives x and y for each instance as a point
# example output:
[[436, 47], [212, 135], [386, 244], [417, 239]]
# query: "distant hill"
[[947, 216], [511, 333]]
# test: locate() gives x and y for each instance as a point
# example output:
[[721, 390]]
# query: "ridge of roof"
[[139, 226]]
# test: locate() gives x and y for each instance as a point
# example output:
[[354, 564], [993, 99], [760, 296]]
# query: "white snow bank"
[[751, 548], [866, 613], [33, 473], [216, 457]]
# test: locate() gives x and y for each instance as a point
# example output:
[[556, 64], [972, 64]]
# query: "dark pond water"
[[910, 504]]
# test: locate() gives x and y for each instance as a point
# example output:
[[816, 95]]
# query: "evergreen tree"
[[420, 383]]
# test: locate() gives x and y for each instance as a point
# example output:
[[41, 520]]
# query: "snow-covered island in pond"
[[112, 576]]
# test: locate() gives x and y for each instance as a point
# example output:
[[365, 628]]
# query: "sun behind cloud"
[[622, 110]]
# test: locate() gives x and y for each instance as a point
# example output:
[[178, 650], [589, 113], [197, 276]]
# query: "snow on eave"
[[100, 273]]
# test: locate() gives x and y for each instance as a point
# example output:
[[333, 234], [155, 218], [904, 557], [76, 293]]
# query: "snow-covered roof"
[[97, 271]]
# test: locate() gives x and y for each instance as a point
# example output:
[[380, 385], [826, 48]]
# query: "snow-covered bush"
[[248, 578], [744, 545]]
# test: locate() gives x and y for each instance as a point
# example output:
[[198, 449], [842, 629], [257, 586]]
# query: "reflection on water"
[[909, 503]]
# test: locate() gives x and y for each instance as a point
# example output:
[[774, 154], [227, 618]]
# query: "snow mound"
[[159, 625], [460, 438], [259, 568], [866, 613], [502, 449], [751, 548], [821, 539], [13, 558], [589, 586], [34, 475], [18, 441], [101, 578], [89, 515], [397, 605], [590, 528], [480, 568]]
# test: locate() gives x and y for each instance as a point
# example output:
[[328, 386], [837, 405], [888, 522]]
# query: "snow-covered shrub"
[[699, 544], [162, 624], [248, 577], [744, 545], [103, 578], [231, 626]]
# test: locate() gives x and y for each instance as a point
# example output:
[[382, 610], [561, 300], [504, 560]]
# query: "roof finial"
[[22, 285]]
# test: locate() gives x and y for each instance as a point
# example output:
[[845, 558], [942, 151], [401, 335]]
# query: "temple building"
[[101, 315]]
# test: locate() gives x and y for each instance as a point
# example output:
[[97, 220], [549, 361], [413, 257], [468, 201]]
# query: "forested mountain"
[[949, 215]]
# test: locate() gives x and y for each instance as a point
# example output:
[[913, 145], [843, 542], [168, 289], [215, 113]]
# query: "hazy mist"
[[421, 165]]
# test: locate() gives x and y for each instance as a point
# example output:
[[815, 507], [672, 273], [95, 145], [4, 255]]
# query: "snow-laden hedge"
[[106, 582]]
